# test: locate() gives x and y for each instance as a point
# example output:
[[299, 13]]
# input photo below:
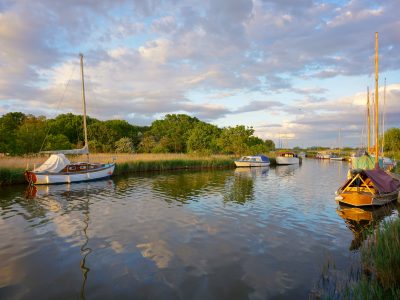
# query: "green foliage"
[[234, 140], [124, 145], [22, 134], [392, 139], [30, 135], [9, 124], [203, 139], [174, 130], [57, 142], [147, 143], [11, 176]]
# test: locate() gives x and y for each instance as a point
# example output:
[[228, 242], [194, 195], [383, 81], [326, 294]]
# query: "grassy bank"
[[12, 168], [381, 264]]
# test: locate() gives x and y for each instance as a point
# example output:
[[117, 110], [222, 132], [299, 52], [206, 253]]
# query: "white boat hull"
[[280, 160], [251, 164], [337, 158], [54, 178]]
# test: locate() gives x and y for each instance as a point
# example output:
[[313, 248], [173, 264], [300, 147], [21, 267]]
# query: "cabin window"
[[82, 167], [91, 167], [72, 168]]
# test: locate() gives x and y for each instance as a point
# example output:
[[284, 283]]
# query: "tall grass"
[[380, 257]]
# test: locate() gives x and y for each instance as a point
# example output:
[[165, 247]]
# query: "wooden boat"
[[366, 187], [58, 169], [287, 158], [253, 161]]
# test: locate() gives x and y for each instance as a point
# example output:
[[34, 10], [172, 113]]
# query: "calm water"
[[232, 234]]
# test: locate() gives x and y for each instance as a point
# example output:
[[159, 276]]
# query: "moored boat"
[[58, 169], [287, 158], [253, 161], [366, 186]]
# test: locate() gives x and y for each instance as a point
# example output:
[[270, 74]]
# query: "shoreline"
[[13, 176]]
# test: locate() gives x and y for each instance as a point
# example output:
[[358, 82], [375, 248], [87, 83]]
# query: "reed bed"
[[381, 263]]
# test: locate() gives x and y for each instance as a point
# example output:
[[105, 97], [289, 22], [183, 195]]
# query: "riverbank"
[[380, 258], [12, 168]]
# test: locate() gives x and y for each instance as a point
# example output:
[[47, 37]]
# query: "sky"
[[295, 71]]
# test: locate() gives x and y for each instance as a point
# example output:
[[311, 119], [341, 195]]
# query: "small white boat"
[[58, 169], [336, 157], [302, 154], [253, 161], [323, 155], [287, 158]]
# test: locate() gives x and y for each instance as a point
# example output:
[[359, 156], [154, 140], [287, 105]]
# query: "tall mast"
[[368, 124], [376, 103], [84, 108], [383, 118]]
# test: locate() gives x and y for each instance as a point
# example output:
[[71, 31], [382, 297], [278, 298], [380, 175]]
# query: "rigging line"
[[58, 105]]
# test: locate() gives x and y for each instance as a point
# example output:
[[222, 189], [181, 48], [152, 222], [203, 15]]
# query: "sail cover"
[[383, 182], [364, 162], [54, 164]]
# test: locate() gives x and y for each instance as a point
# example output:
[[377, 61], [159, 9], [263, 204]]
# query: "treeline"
[[176, 133]]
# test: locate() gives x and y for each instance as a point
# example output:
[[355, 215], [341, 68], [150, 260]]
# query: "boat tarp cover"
[[364, 162], [54, 164], [383, 182], [264, 158]]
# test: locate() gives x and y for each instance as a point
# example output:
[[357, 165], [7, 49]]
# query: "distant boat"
[[337, 157], [287, 158], [365, 187], [58, 169], [253, 161], [302, 154], [323, 155]]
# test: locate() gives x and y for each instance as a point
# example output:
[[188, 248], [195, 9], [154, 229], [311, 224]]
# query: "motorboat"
[[253, 161], [287, 158]]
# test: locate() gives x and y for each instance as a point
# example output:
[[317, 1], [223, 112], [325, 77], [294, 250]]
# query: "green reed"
[[174, 164], [11, 176], [380, 257]]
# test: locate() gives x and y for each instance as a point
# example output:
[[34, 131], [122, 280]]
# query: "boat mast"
[[368, 124], [376, 103], [383, 119], [84, 108]]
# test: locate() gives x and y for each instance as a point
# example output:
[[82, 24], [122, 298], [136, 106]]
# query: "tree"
[[147, 143], [270, 145], [57, 142], [30, 135], [9, 124], [174, 130], [392, 139], [124, 145], [203, 138], [234, 140]]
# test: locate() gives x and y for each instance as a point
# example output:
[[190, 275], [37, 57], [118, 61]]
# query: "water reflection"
[[359, 220], [56, 198], [252, 172], [240, 187], [287, 170], [185, 186]]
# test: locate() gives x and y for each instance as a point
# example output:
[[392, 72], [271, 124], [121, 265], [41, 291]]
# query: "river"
[[261, 233]]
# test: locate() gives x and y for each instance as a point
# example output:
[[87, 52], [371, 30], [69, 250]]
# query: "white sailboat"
[[338, 156], [58, 169]]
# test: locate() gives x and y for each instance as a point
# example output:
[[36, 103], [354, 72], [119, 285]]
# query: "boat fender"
[[338, 198]]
